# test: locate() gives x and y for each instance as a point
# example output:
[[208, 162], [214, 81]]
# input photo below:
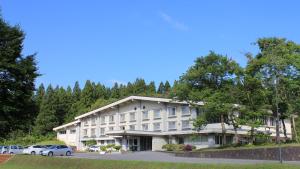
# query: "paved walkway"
[[168, 157]]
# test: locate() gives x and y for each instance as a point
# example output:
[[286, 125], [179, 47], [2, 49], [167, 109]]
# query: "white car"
[[3, 149], [34, 149], [94, 148], [15, 149], [57, 150]]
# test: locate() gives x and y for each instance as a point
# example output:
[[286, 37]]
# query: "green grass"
[[38, 162]]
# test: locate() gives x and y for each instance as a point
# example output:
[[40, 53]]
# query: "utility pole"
[[277, 118]]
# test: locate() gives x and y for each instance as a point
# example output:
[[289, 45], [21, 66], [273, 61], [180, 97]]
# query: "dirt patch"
[[4, 157]]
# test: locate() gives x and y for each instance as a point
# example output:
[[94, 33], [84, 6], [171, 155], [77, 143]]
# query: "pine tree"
[[161, 88], [167, 88], [151, 89], [47, 118], [17, 76], [76, 92]]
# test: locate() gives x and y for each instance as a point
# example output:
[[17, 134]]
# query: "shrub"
[[169, 147], [103, 148], [117, 147], [110, 145], [189, 147], [179, 147]]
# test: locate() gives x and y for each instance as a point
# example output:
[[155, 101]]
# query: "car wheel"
[[68, 153], [11, 153], [32, 153], [50, 154], [4, 152]]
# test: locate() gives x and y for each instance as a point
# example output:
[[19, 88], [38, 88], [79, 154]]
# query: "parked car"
[[57, 150], [34, 149], [93, 148], [3, 149], [15, 149]]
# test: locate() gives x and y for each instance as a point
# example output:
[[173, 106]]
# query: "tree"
[[151, 89], [17, 76], [207, 80], [47, 119], [161, 88], [76, 92], [167, 88], [39, 95], [277, 65]]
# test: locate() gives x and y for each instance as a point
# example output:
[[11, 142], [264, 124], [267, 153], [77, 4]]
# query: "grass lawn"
[[38, 162]]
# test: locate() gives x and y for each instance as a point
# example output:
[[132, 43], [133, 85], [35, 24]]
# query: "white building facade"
[[146, 123]]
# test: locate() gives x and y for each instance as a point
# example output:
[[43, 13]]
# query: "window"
[[102, 142], [93, 121], [185, 110], [145, 115], [102, 131], [145, 127], [156, 113], [172, 125], [103, 120], [86, 123], [110, 141], [93, 132], [72, 131], [85, 133], [111, 119], [218, 140], [172, 111], [156, 126], [197, 140], [122, 127], [62, 132], [111, 128], [132, 127], [132, 116], [122, 117], [185, 124]]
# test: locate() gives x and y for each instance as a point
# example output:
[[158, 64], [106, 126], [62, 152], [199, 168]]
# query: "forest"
[[269, 85]]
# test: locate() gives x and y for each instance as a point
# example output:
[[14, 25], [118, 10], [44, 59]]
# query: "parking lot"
[[167, 157]]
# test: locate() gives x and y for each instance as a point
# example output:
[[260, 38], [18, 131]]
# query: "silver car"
[[57, 150], [3, 149], [35, 149], [15, 149]]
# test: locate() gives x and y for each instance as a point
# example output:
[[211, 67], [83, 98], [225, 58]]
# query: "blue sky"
[[118, 41]]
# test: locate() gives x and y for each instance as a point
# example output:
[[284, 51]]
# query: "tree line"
[[57, 105], [268, 86]]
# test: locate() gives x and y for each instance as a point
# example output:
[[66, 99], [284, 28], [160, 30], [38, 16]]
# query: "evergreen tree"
[[17, 76], [167, 88], [88, 94], [139, 87], [39, 95], [161, 88], [76, 92], [47, 118], [115, 91], [151, 89]]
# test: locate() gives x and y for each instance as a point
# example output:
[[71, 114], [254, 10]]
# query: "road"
[[169, 157]]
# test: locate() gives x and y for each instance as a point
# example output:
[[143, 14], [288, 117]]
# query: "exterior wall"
[[69, 138], [158, 142], [160, 137]]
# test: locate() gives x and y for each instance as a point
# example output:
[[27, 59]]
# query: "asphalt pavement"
[[169, 157]]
